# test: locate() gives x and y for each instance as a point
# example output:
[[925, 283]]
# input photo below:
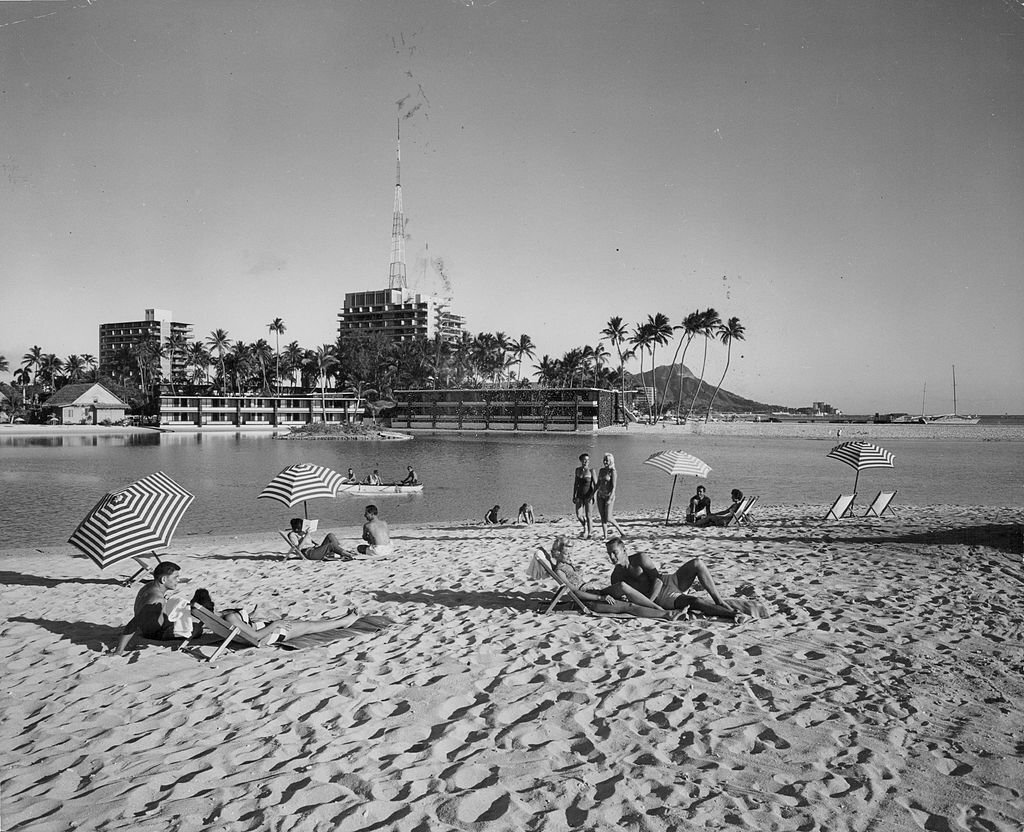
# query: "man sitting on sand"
[[666, 592], [376, 535], [700, 503], [525, 515], [329, 548], [722, 518], [150, 619], [491, 517]]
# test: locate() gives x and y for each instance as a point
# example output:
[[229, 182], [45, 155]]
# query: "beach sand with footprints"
[[882, 692]]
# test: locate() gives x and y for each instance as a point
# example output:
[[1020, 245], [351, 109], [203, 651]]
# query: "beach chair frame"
[[742, 514], [220, 628], [292, 548], [881, 504], [842, 507]]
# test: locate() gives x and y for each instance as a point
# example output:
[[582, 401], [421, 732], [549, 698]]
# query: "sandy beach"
[[882, 692]]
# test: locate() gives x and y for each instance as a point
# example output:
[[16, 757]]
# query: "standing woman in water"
[[607, 480], [583, 488]]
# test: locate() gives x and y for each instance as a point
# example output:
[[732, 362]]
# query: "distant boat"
[[387, 488], [953, 418]]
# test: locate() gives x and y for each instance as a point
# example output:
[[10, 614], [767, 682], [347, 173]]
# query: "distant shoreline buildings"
[[158, 328]]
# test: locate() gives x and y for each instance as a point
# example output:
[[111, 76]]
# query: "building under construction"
[[396, 312]]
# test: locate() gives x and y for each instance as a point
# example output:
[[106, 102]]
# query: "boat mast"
[[954, 389], [923, 392]]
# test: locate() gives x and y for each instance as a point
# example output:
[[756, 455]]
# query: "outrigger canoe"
[[387, 488]]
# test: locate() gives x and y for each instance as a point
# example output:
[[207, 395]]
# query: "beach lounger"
[[228, 632], [742, 514], [881, 504], [842, 507]]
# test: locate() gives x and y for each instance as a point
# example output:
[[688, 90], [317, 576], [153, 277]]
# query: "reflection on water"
[[47, 484], [128, 440]]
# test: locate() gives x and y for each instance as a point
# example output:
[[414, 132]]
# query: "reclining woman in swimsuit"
[[270, 632], [615, 599]]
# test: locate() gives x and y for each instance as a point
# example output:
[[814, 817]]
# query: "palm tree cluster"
[[372, 365]]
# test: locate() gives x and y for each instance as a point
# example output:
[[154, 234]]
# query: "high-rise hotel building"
[[158, 326]]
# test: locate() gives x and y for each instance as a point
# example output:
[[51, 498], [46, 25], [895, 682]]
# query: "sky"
[[846, 178]]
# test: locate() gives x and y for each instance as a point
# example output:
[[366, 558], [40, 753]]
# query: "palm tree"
[[24, 378], [615, 332], [709, 323], [261, 352], [600, 354], [197, 359], [322, 362], [689, 327], [240, 363], [524, 346], [32, 360], [546, 371], [218, 342], [728, 332], [661, 333], [293, 355], [277, 327], [641, 340], [90, 365], [3, 364], [74, 367]]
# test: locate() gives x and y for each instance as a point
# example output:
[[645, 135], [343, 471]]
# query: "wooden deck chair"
[[881, 504], [742, 514], [842, 507], [143, 566], [220, 628]]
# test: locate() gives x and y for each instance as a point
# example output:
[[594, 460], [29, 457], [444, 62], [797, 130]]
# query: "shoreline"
[[798, 430], [880, 689]]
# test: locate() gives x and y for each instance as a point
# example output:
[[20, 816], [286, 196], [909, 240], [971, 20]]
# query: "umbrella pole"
[[305, 508], [670, 496]]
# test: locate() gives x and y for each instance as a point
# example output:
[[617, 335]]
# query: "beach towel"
[[363, 624], [179, 615]]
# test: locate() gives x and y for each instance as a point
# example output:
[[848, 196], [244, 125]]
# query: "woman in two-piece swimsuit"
[[606, 482], [583, 488]]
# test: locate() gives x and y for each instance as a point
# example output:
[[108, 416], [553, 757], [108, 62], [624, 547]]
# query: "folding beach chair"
[[308, 526], [228, 632], [881, 504], [842, 507], [566, 591], [742, 514]]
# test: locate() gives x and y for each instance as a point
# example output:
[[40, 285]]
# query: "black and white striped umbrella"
[[678, 464], [300, 482], [132, 521], [860, 455]]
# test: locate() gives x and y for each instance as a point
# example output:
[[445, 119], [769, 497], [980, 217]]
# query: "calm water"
[[48, 484]]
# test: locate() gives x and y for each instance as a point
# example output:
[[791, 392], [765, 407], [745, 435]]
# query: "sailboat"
[[953, 418]]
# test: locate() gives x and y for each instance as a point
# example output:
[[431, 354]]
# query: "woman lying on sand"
[[598, 600], [264, 633]]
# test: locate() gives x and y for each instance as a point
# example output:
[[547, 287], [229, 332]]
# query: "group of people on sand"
[[162, 616], [699, 510], [589, 488], [376, 535], [636, 586], [525, 517]]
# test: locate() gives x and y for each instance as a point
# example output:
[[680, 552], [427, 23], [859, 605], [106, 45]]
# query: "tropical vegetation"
[[373, 366]]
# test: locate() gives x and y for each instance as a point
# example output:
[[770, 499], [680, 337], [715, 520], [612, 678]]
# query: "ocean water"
[[47, 484]]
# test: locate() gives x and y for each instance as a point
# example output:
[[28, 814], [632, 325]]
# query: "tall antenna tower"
[[396, 274]]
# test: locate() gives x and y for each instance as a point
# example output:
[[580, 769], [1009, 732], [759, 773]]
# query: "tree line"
[[374, 366]]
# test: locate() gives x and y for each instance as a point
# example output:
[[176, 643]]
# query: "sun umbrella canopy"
[[860, 455], [678, 464], [132, 521], [300, 482]]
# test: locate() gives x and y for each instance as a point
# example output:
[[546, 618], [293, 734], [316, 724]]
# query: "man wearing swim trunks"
[[638, 572], [150, 619], [376, 535]]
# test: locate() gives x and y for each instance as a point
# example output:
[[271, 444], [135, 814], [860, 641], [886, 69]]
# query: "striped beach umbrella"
[[860, 455], [300, 482], [678, 464], [133, 521]]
